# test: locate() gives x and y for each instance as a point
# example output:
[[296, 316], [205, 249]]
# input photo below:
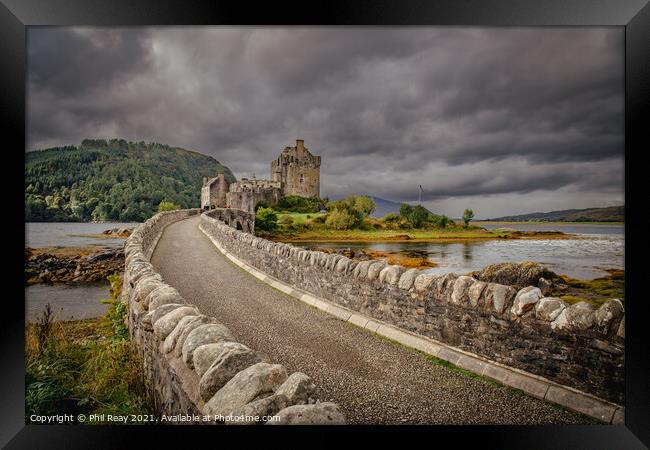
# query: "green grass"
[[300, 218], [85, 366]]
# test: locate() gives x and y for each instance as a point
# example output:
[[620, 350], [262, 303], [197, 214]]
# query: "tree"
[[266, 219], [365, 205], [415, 215], [167, 206], [468, 215]]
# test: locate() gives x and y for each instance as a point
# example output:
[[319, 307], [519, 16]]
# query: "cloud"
[[466, 112]]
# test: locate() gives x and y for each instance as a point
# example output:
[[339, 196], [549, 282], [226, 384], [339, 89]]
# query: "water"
[[67, 302], [599, 247], [68, 234]]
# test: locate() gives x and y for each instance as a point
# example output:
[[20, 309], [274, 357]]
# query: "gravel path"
[[373, 380]]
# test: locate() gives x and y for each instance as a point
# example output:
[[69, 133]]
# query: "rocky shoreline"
[[71, 264]]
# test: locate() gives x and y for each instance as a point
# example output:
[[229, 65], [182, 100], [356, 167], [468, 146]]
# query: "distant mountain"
[[385, 206], [113, 180], [608, 214]]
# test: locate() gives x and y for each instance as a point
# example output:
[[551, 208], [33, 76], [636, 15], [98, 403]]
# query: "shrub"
[[167, 206], [343, 219], [286, 220], [266, 219]]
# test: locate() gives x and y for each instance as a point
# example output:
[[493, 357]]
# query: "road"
[[373, 380]]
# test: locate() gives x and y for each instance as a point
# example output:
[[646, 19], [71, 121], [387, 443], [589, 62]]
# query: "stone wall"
[[194, 367], [573, 345]]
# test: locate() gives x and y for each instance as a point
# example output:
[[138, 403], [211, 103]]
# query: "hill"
[[385, 206], [112, 180], [608, 214]]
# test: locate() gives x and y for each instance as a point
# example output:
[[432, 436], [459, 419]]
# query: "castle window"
[[302, 178]]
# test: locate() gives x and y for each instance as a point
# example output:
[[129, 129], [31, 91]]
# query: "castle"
[[295, 172]]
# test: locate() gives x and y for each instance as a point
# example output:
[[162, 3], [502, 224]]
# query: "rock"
[[161, 296], [498, 297], [474, 293], [245, 387], [145, 286], [361, 271], [206, 355], [621, 329], [201, 335], [579, 316], [187, 329], [607, 315], [518, 275], [232, 359], [407, 279], [298, 389], [423, 282], [390, 275], [319, 414], [168, 322], [153, 315], [459, 291], [375, 269], [443, 286], [172, 338], [544, 285], [266, 406], [525, 300], [548, 308], [342, 265]]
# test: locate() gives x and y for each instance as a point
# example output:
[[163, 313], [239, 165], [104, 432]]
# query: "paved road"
[[373, 380]]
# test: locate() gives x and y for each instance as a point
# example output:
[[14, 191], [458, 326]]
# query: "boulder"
[[232, 359], [375, 269], [172, 338], [621, 329], [162, 296], [460, 290], [319, 414], [298, 389], [525, 300], [548, 308], [168, 322], [201, 335], [146, 285], [474, 293], [342, 265], [579, 316], [424, 282], [244, 387], [544, 285], [151, 317], [608, 314], [206, 355], [390, 275], [407, 279], [443, 286], [361, 271], [187, 329], [265, 406], [517, 275], [498, 297]]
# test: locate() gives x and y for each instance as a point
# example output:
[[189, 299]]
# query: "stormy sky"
[[500, 120]]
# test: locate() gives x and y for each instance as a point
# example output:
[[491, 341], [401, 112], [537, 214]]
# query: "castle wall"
[[213, 192], [298, 171]]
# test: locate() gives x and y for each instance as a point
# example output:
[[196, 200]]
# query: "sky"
[[499, 120]]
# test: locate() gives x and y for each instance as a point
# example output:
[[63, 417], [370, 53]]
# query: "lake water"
[[598, 247], [68, 234], [68, 302]]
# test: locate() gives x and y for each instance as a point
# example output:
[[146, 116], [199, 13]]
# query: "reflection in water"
[[467, 252]]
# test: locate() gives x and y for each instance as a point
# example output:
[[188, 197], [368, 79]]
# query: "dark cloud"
[[470, 113]]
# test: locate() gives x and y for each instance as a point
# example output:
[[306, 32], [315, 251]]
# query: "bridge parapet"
[[571, 345], [194, 368], [234, 218]]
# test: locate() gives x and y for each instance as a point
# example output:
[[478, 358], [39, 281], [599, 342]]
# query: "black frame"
[[634, 15]]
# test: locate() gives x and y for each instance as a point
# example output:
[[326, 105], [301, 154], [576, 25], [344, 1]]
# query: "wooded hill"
[[113, 180]]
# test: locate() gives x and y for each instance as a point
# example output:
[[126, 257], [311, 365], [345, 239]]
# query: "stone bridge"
[[365, 343]]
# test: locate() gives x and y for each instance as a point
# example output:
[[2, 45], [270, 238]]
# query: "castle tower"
[[297, 170]]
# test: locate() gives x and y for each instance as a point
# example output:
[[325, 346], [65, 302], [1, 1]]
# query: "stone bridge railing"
[[235, 218], [194, 368], [571, 345]]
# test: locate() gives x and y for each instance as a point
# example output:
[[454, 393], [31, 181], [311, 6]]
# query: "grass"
[[301, 218], [85, 366]]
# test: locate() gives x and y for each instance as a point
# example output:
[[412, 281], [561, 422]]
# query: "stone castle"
[[295, 172]]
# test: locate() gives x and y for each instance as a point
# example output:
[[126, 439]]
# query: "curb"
[[534, 385]]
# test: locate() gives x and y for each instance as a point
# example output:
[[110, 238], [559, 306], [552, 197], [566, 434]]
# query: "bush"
[[266, 219], [296, 203], [167, 206], [343, 219], [285, 220], [416, 216]]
